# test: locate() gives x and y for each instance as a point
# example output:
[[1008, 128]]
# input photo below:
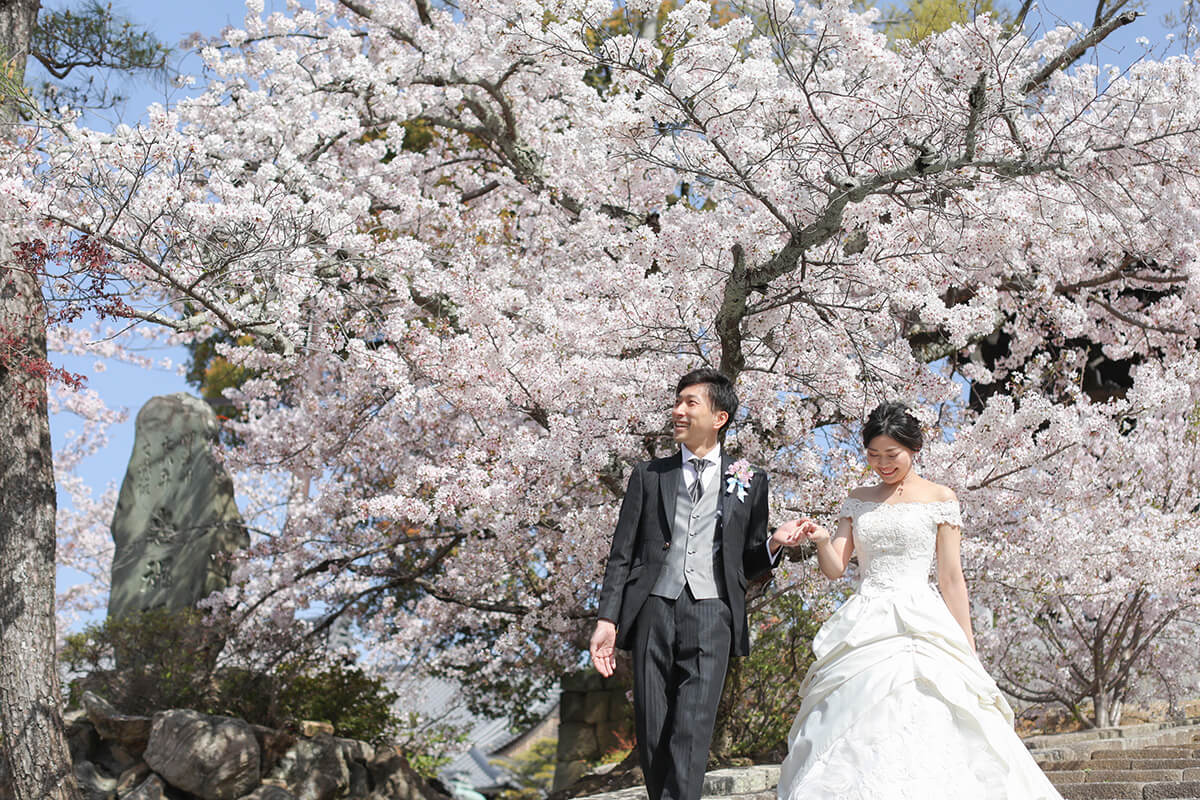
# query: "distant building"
[[487, 739]]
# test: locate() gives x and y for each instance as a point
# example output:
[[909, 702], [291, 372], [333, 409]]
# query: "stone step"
[[1112, 736], [1131, 790], [1050, 767], [1101, 791], [1065, 776], [741, 780], [1086, 748], [1163, 751], [1140, 763], [1078, 744], [1185, 790]]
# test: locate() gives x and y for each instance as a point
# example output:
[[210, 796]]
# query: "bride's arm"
[[834, 552], [950, 577]]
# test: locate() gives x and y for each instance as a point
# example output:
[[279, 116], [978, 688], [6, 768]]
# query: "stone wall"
[[595, 719]]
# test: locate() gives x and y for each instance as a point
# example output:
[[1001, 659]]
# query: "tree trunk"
[[34, 745], [1107, 708], [30, 698]]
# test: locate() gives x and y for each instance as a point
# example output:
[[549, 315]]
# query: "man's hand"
[[789, 534], [603, 648], [810, 530]]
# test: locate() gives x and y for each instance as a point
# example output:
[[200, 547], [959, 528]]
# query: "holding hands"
[[797, 531]]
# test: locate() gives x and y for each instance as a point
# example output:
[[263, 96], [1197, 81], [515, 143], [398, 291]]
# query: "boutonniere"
[[738, 478]]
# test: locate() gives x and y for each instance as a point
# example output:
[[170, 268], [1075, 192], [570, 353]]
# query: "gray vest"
[[694, 553]]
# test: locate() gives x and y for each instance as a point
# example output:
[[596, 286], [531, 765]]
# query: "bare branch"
[[976, 102], [1072, 54], [1132, 320]]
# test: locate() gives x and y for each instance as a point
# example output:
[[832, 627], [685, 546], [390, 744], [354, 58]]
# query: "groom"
[[692, 530]]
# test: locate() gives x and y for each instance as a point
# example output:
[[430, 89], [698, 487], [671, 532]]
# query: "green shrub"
[[358, 705], [158, 659], [533, 770], [145, 662]]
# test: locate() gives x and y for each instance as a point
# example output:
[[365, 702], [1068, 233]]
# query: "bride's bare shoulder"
[[865, 493], [941, 494]]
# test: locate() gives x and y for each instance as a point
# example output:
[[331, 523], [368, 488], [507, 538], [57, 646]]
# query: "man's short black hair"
[[721, 395]]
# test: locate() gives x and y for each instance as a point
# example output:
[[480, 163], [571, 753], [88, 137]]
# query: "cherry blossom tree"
[[458, 275]]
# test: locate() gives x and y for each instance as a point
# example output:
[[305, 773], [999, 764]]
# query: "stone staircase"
[[1146, 773], [1151, 761]]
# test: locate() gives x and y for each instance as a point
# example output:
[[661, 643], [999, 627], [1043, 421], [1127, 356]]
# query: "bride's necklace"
[[900, 486]]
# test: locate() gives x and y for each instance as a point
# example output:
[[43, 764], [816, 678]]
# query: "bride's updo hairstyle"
[[894, 421]]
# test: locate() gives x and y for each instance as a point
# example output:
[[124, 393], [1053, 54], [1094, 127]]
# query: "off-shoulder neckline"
[[903, 503]]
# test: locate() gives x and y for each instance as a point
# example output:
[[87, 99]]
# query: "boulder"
[[112, 758], [130, 732], [132, 778], [315, 769], [395, 779], [214, 758], [152, 788], [93, 784], [359, 751], [82, 739], [269, 792], [312, 727], [272, 745]]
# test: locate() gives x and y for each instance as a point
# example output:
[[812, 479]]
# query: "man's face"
[[695, 422]]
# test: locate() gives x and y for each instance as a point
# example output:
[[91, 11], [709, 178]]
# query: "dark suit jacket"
[[643, 536]]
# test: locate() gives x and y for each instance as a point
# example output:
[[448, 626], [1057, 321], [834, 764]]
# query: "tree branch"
[[1072, 54]]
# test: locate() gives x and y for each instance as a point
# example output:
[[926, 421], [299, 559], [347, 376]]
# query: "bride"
[[897, 705]]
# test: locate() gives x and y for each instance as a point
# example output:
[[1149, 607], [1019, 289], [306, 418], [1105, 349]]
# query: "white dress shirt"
[[712, 472]]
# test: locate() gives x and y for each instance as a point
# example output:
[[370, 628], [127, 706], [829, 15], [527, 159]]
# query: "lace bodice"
[[896, 542]]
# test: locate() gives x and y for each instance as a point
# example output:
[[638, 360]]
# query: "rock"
[[269, 792], [132, 778], [272, 744], [113, 759], [215, 758], [395, 779], [360, 780], [152, 788], [94, 785], [176, 520], [741, 780], [358, 750], [310, 728], [315, 769], [82, 740], [129, 731]]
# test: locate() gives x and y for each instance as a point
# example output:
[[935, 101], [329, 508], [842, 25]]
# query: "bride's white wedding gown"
[[896, 705]]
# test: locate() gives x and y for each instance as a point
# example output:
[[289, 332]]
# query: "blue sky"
[[172, 21]]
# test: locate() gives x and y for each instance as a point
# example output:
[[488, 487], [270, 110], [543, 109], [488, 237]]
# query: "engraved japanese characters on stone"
[[176, 522]]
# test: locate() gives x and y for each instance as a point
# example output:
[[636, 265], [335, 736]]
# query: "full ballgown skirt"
[[896, 705]]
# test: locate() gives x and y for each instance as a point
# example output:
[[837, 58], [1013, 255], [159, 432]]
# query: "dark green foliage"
[[161, 659], [533, 770], [145, 662], [359, 706], [92, 37], [762, 691]]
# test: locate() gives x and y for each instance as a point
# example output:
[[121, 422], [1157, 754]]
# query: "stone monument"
[[176, 521]]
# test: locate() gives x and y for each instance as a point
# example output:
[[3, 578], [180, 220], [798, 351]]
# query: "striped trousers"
[[680, 655]]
